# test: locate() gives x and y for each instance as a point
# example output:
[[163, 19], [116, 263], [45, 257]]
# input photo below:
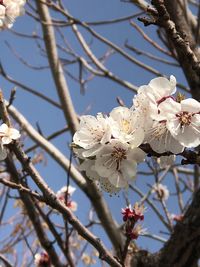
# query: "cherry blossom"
[[182, 120], [9, 11], [89, 167], [7, 135], [129, 125], [151, 95], [92, 133], [109, 146], [118, 162]]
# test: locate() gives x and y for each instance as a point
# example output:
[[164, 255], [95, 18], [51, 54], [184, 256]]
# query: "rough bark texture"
[[184, 29]]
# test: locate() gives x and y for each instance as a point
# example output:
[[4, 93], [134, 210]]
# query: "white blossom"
[[182, 120], [161, 191], [161, 140], [150, 96], [93, 132], [129, 125], [9, 11], [118, 162], [7, 135], [89, 167]]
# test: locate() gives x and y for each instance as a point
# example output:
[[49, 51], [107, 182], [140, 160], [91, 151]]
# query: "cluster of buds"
[[110, 146], [42, 259], [131, 216]]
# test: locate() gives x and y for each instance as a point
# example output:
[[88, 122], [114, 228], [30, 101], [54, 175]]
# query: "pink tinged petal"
[[118, 180], [73, 206], [190, 105]]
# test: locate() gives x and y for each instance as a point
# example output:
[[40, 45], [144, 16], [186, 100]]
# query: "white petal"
[[129, 169], [6, 140], [163, 87], [188, 137], [118, 180], [169, 107], [14, 134], [3, 128], [136, 154], [190, 105], [92, 151], [105, 165]]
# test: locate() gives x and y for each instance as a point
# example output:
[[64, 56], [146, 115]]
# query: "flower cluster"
[[7, 135], [42, 260], [131, 216], [109, 146], [64, 195], [9, 11]]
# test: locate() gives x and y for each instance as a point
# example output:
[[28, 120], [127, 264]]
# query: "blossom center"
[[184, 118], [97, 133], [125, 125], [118, 155]]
